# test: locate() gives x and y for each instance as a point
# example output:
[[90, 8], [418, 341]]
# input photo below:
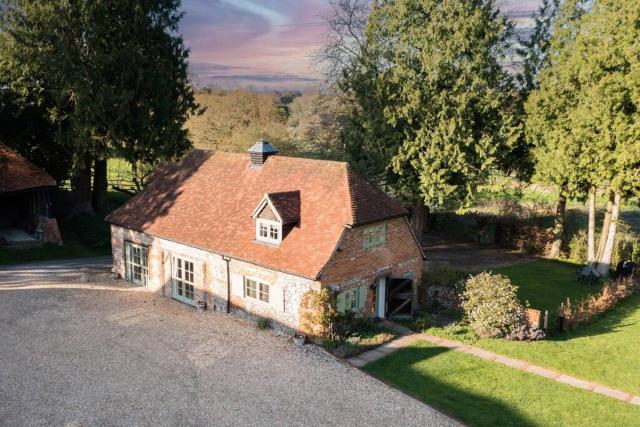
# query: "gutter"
[[228, 260]]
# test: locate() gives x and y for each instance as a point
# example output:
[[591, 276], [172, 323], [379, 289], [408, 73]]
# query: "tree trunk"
[[591, 245], [99, 184], [81, 186], [605, 227], [558, 224], [417, 220], [603, 265]]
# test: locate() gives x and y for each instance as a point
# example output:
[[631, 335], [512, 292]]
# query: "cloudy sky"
[[266, 43]]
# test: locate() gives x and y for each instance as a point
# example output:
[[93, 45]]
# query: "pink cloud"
[[267, 44]]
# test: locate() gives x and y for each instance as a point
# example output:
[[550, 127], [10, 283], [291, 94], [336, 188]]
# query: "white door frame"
[[381, 298]]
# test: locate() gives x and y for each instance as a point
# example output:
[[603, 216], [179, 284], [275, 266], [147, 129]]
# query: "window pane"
[[251, 289], [374, 235], [264, 292]]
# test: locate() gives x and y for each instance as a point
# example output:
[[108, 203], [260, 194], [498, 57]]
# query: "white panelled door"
[[381, 297]]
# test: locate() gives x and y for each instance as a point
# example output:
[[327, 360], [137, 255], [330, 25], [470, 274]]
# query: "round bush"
[[491, 305]]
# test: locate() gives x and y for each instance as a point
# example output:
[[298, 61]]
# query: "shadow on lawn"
[[399, 370]]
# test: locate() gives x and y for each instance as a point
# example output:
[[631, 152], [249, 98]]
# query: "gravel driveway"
[[106, 353]]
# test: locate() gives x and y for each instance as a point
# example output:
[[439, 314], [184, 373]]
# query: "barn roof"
[[19, 174]]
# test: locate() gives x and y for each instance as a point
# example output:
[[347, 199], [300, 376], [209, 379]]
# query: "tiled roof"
[[368, 202], [287, 204], [18, 174], [207, 200]]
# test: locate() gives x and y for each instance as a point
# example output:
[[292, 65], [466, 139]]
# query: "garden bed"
[[365, 336]]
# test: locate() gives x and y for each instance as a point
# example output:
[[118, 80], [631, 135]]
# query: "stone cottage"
[[254, 233]]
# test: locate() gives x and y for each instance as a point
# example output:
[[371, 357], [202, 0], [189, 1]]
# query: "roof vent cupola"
[[260, 151]]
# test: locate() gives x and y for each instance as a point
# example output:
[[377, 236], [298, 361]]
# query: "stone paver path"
[[408, 337]]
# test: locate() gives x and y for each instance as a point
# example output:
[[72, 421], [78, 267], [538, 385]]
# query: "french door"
[[136, 263], [183, 280]]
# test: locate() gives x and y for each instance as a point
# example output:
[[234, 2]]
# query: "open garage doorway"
[[394, 297]]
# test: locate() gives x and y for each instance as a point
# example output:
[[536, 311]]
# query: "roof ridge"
[[277, 157]]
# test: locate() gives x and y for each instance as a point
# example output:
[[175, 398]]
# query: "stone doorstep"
[[566, 379]]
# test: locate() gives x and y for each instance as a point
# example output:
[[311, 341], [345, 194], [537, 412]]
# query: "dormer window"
[[276, 215], [268, 231]]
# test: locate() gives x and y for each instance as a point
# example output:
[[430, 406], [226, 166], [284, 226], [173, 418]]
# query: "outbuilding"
[[254, 233], [26, 217]]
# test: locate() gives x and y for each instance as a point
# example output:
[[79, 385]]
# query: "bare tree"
[[346, 25]]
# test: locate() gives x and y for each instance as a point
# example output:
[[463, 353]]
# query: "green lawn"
[[484, 393], [546, 284], [605, 351]]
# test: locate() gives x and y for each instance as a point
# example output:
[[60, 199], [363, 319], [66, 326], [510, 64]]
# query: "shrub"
[[578, 246], [579, 313], [530, 239], [348, 325], [491, 305], [422, 322], [627, 248], [317, 311], [329, 343], [525, 333], [263, 323]]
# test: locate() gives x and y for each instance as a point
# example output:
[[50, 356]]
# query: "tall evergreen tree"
[[116, 71], [551, 100], [434, 114], [585, 112]]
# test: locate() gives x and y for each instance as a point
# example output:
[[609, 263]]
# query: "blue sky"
[[267, 43]]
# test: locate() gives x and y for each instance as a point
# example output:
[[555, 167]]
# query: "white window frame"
[[272, 227], [259, 292], [133, 268], [374, 235], [351, 299], [185, 277]]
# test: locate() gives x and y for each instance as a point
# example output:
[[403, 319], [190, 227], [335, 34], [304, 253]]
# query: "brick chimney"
[[260, 151]]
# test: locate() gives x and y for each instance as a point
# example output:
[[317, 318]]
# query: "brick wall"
[[210, 277], [353, 266]]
